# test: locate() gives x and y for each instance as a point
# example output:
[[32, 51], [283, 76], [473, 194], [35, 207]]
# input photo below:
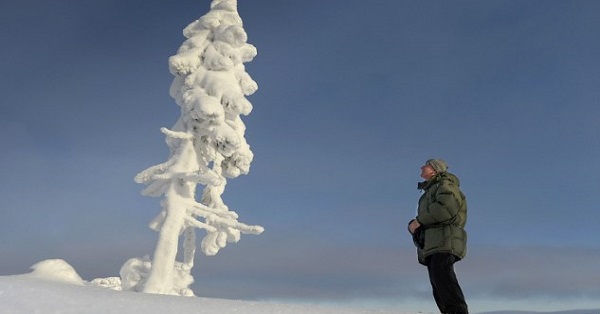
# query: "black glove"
[[419, 238]]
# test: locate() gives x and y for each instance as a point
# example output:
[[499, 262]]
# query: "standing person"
[[439, 234]]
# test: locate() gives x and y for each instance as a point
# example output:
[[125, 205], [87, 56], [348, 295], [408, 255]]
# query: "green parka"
[[442, 214]]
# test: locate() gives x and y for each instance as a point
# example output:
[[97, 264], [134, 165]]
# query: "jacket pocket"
[[434, 238]]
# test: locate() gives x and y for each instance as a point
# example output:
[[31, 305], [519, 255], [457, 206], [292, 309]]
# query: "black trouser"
[[446, 291]]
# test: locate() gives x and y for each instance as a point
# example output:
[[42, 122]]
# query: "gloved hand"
[[413, 225], [408, 226], [417, 232]]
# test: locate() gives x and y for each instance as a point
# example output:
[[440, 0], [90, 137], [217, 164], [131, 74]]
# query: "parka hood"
[[449, 176]]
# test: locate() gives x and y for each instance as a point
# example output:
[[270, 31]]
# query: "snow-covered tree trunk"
[[207, 146]]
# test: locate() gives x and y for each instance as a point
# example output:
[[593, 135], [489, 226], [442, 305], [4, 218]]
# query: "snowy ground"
[[24, 294], [54, 287], [28, 294]]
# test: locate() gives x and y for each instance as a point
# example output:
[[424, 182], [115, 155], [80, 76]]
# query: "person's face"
[[427, 172]]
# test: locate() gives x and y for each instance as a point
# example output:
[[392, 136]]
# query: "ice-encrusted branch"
[[176, 134]]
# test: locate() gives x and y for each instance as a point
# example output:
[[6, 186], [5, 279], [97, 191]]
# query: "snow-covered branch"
[[175, 134]]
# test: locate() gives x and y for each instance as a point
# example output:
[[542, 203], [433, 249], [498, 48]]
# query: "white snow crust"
[[55, 287]]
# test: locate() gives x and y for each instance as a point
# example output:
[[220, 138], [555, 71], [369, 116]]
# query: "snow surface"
[[26, 294], [55, 287]]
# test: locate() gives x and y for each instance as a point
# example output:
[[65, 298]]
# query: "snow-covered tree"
[[207, 146]]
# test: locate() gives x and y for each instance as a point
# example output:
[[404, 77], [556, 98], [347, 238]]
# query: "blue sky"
[[353, 97]]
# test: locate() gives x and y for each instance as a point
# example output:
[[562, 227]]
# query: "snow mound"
[[56, 270]]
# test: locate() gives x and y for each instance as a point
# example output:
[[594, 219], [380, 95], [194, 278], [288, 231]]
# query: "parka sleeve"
[[443, 209]]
